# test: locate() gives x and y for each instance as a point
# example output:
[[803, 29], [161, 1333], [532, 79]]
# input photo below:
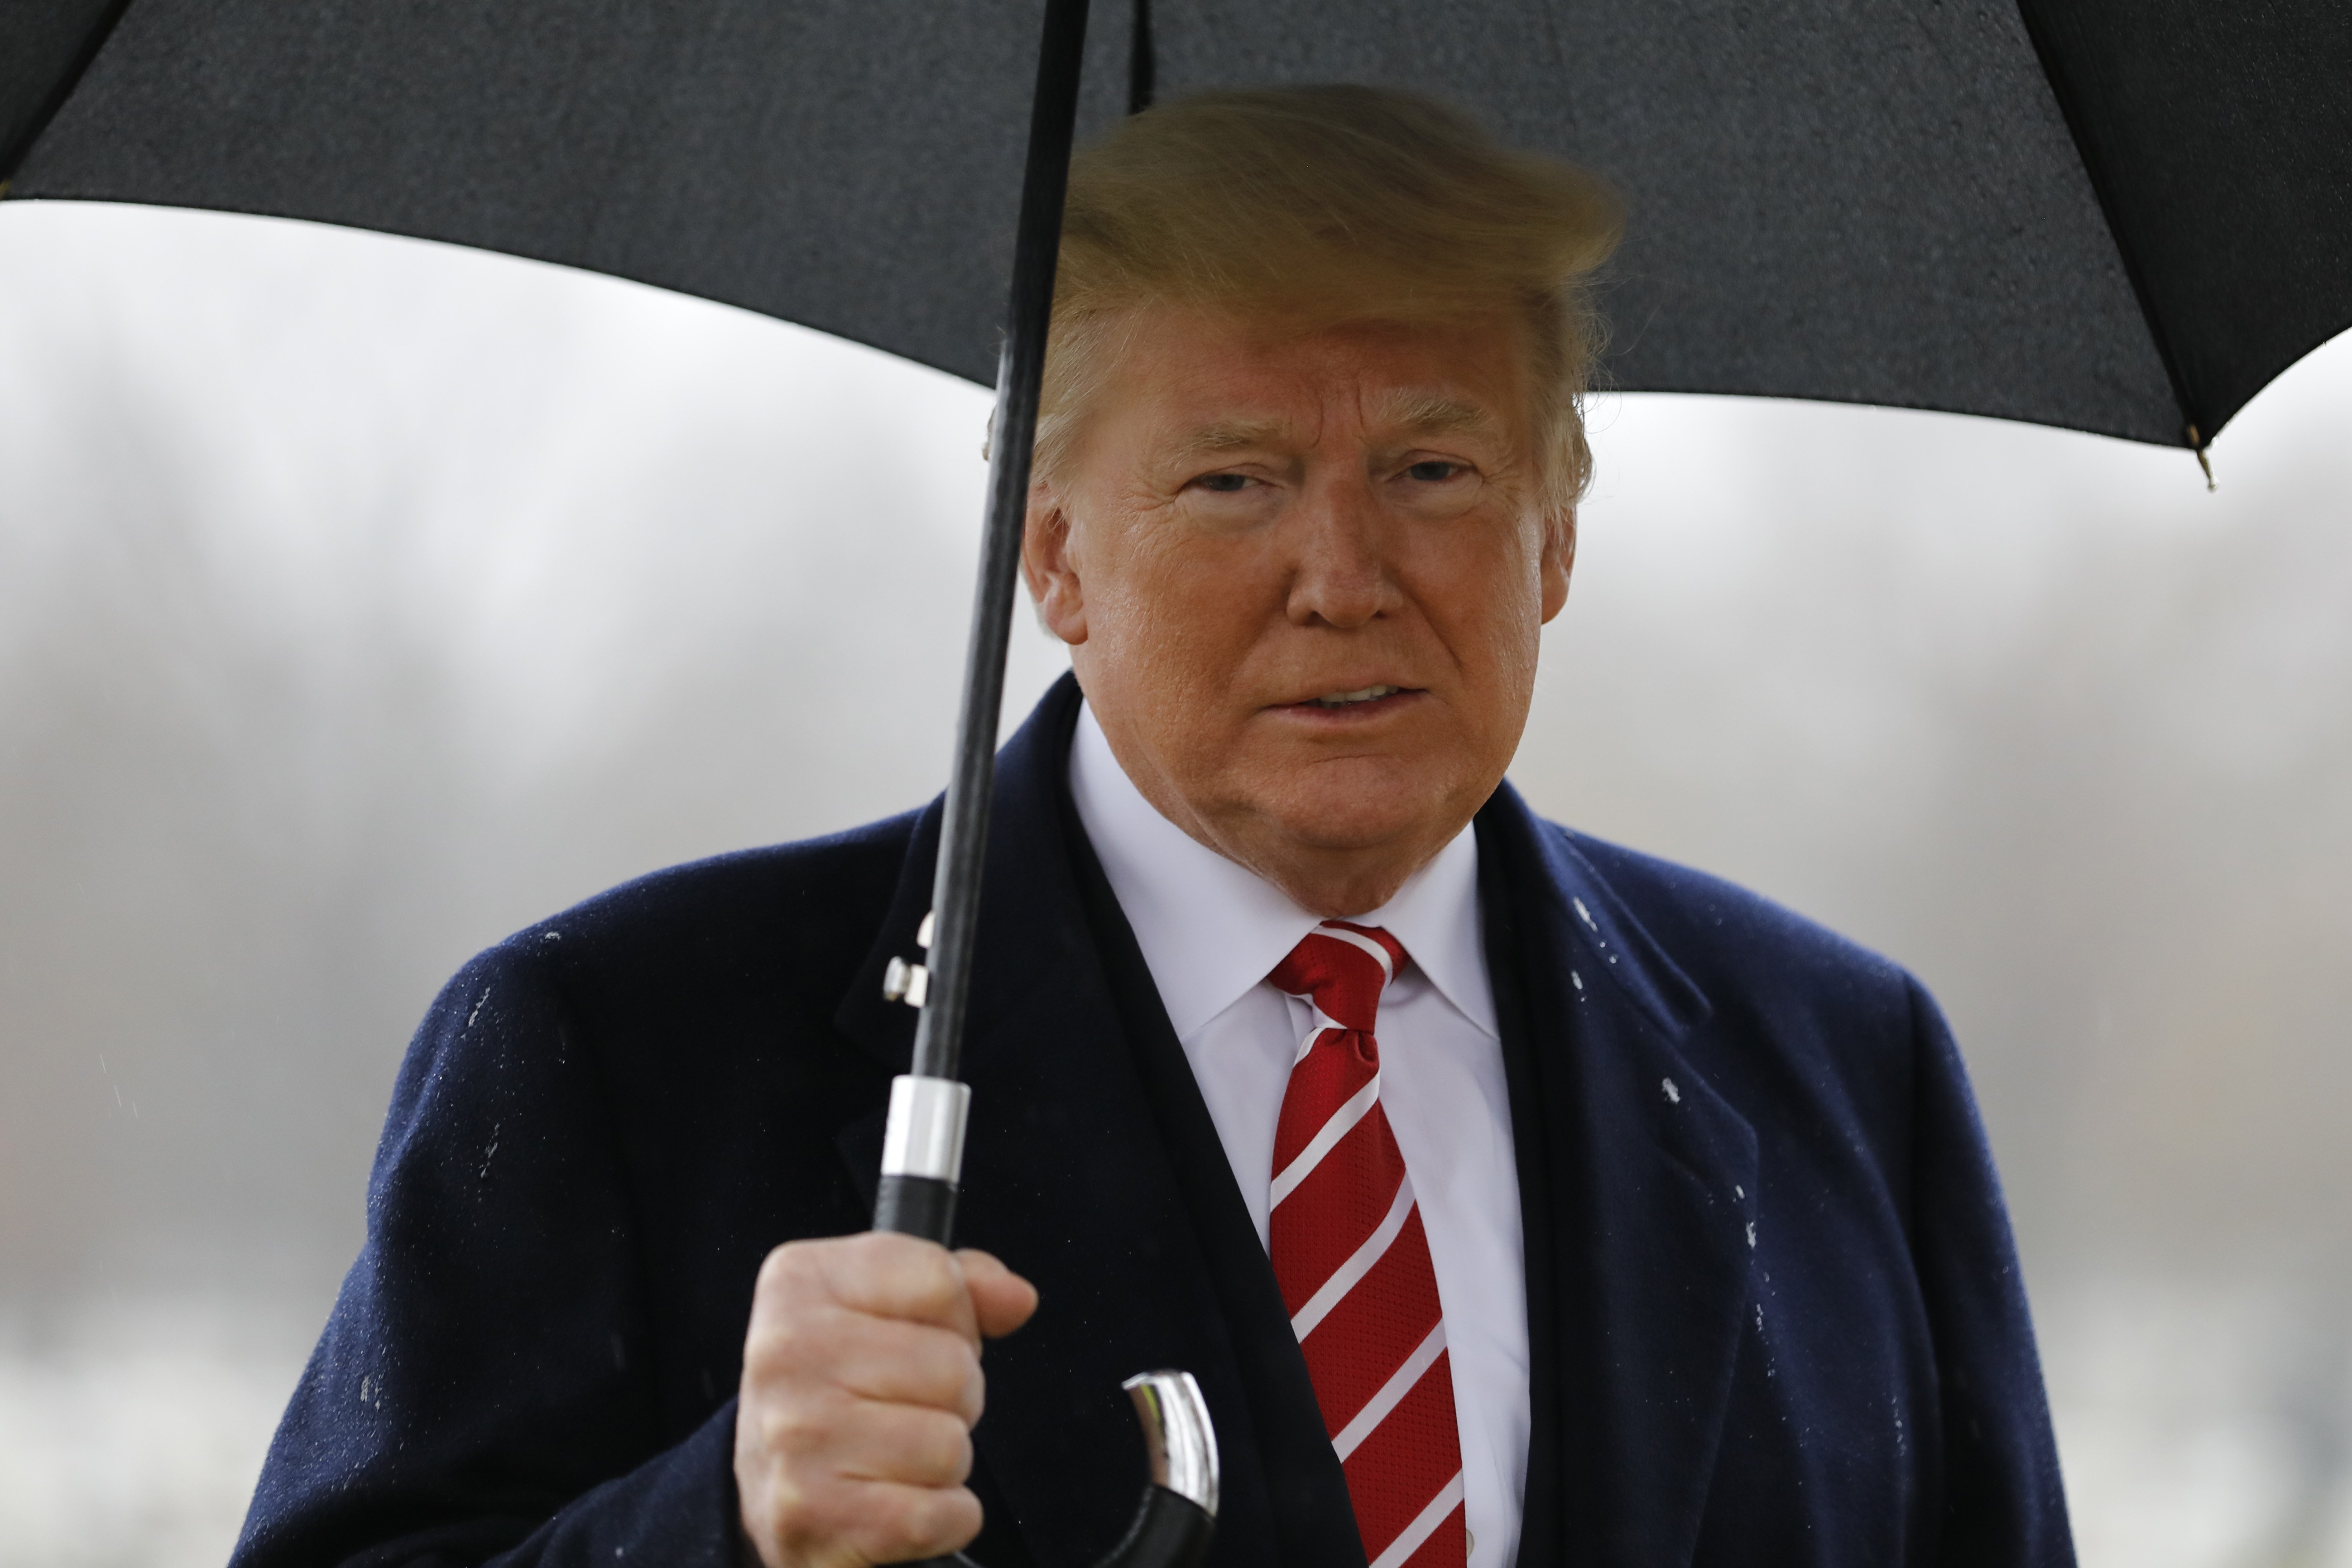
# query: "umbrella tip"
[[2197, 444]]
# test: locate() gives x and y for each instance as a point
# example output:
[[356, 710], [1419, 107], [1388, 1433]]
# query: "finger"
[[890, 1522], [890, 1276], [899, 1362], [1001, 1300], [835, 1522], [905, 1445], [879, 1274], [838, 1437], [824, 1347]]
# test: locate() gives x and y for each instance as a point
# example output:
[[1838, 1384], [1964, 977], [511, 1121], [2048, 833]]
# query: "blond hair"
[[1324, 205]]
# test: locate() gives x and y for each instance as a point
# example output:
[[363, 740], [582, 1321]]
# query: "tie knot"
[[1342, 969]]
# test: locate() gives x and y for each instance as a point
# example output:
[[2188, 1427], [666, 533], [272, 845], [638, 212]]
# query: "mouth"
[[1351, 699], [1366, 700]]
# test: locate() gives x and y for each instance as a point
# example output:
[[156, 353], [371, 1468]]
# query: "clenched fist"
[[861, 1383]]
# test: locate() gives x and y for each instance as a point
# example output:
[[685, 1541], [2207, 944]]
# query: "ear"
[[1558, 559], [1047, 568]]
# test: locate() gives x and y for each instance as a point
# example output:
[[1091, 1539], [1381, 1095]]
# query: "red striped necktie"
[[1353, 1262]]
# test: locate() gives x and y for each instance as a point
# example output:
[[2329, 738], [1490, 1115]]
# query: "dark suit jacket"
[[1774, 1310]]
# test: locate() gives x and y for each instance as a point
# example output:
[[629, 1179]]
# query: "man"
[[1515, 1198]]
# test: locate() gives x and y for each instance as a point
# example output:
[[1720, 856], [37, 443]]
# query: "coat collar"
[[1638, 1181]]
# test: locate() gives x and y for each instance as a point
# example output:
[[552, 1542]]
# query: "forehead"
[[1210, 380]]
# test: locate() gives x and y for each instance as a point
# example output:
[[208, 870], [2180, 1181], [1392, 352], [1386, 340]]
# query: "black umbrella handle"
[[1177, 1519]]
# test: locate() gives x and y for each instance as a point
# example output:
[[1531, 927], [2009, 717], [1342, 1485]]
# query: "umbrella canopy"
[[2118, 215]]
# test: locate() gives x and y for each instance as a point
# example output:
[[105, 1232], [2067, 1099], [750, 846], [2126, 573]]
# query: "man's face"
[[1304, 579]]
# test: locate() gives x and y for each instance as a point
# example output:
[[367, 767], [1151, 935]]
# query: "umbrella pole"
[[923, 1147]]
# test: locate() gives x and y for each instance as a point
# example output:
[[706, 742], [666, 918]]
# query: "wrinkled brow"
[[1229, 436], [1421, 413], [1434, 414]]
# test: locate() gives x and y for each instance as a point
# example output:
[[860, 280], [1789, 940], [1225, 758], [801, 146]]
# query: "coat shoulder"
[[1803, 1028], [805, 913], [1740, 949]]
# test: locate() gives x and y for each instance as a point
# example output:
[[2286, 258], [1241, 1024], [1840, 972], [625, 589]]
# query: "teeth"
[[1342, 699]]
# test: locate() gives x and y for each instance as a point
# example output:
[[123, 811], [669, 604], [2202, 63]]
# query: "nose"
[[1339, 575]]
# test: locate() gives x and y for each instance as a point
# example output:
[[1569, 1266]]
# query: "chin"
[[1341, 821]]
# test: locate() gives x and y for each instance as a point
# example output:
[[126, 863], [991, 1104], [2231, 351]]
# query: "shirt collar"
[[1209, 929]]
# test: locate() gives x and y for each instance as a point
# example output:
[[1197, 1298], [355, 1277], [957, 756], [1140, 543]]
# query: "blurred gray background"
[[362, 599]]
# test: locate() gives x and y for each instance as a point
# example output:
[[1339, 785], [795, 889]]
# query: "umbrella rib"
[[1142, 60], [2193, 434]]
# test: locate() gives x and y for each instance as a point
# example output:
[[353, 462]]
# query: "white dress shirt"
[[1211, 931]]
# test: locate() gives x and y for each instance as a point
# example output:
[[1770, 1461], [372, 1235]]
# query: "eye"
[[1434, 470], [1223, 484]]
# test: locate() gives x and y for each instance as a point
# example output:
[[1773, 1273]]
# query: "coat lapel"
[[1066, 1177], [1637, 1180]]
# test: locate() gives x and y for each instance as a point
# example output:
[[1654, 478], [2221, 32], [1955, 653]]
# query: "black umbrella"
[[2117, 215]]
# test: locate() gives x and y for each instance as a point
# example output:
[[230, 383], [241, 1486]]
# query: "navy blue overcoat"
[[1773, 1303]]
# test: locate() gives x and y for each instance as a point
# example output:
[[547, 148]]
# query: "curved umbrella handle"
[[1177, 1519]]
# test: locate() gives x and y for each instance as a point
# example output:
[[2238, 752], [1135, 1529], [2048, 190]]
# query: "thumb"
[[1000, 1300]]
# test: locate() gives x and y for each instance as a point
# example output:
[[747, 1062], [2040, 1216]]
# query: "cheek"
[[1148, 641], [1186, 602], [1484, 589]]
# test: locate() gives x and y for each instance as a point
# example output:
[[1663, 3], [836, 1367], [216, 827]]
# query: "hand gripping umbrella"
[[2116, 216]]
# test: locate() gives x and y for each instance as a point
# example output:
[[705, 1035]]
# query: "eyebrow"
[[1228, 436], [1422, 412], [1435, 414]]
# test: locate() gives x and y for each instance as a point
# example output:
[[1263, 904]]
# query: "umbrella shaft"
[[955, 895]]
